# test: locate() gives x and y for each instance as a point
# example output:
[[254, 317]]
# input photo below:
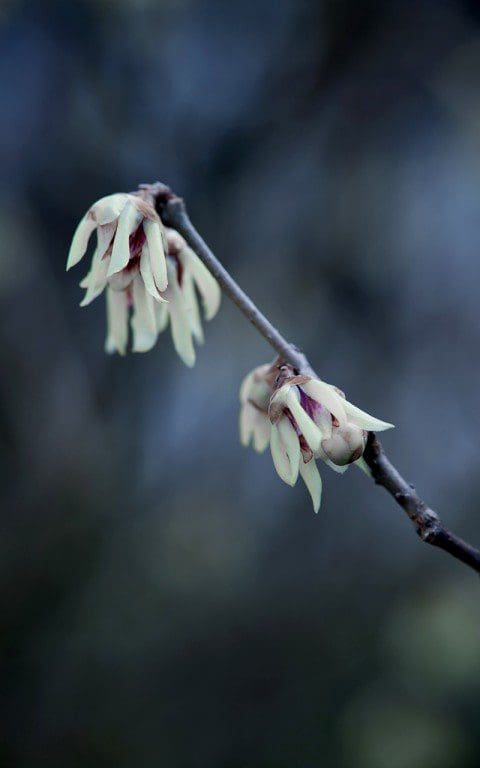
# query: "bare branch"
[[425, 521]]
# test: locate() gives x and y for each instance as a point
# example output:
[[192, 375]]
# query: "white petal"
[[109, 208], [153, 233], [278, 402], [340, 470], [147, 274], [364, 420], [311, 477], [261, 432], [123, 279], [117, 321], [191, 303], [254, 424], [245, 386], [246, 422], [105, 233], [285, 450], [207, 285], [127, 223], [96, 279], [144, 324], [80, 240], [180, 326], [161, 315], [101, 276], [307, 426], [326, 395]]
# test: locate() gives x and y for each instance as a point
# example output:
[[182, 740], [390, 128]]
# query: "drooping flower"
[[128, 261], [308, 419], [147, 271]]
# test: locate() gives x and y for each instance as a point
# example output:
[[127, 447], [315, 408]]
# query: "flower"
[[144, 268], [306, 419]]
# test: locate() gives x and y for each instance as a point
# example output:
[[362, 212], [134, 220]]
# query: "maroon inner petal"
[[313, 407], [136, 242]]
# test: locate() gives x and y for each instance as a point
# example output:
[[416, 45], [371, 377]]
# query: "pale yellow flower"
[[149, 274], [307, 419]]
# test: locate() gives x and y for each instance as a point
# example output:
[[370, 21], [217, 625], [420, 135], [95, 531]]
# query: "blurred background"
[[165, 599]]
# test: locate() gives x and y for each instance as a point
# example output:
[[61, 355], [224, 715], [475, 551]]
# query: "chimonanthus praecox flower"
[[146, 268], [303, 419]]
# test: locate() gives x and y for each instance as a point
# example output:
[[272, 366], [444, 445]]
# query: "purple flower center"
[[136, 242]]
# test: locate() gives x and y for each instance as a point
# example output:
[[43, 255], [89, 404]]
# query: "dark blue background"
[[165, 599]]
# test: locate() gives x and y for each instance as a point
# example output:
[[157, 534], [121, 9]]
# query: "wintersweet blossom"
[[303, 419], [129, 262], [147, 271]]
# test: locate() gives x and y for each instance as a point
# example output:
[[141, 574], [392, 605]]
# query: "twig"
[[425, 521]]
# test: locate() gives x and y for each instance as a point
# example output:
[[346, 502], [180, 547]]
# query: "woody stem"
[[425, 521]]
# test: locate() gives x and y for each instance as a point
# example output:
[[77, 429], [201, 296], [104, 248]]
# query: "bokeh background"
[[165, 599]]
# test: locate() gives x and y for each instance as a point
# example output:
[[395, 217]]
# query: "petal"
[[246, 422], [364, 420], [207, 285], [191, 304], [144, 324], [147, 274], [255, 388], [153, 233], [108, 209], [326, 395], [117, 321], [245, 386], [101, 275], [161, 315], [306, 425], [261, 432], [80, 240], [254, 424], [285, 449], [180, 326], [323, 419], [105, 233], [96, 279], [311, 477], [340, 470], [278, 402], [127, 223]]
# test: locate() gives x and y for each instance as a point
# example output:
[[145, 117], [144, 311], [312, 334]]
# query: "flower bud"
[[345, 445]]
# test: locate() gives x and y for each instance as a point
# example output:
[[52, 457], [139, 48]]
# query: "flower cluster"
[[303, 419], [146, 268]]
